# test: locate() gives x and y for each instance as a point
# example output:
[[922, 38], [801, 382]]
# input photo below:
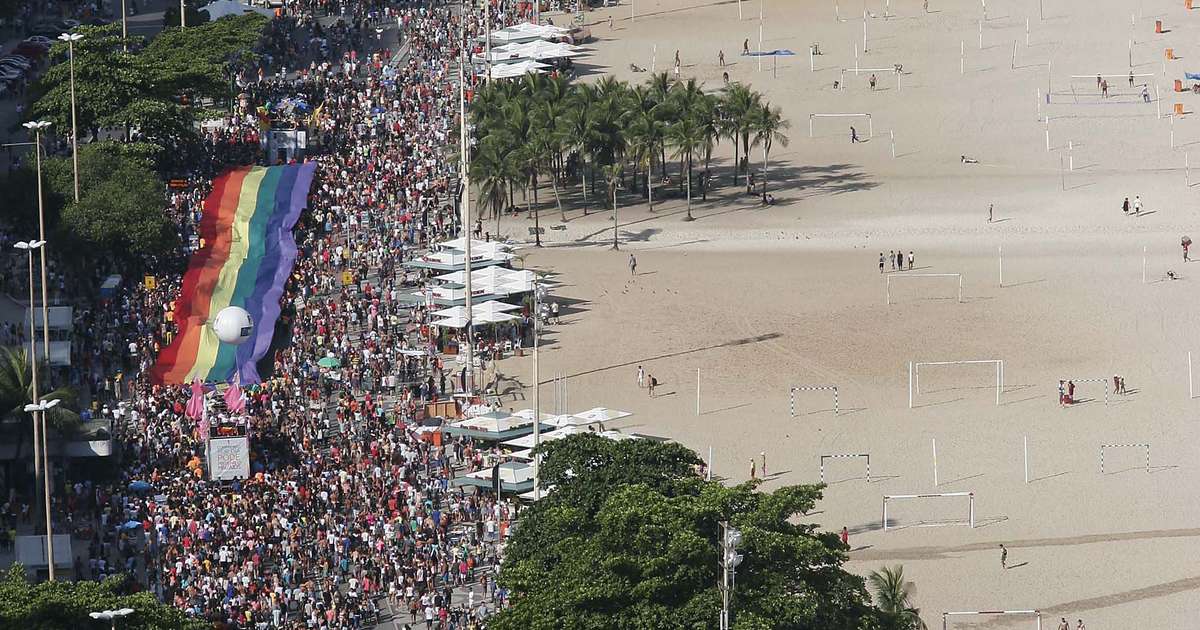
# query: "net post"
[[1026, 441], [935, 475], [1191, 388], [1147, 458], [972, 510], [868, 468], [810, 125], [708, 471], [835, 400], [960, 288], [885, 514], [792, 402], [870, 126], [910, 384]]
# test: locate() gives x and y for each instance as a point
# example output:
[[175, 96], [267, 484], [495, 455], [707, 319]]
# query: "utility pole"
[[731, 538]]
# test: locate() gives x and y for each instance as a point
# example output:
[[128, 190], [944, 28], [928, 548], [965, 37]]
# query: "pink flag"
[[195, 405], [234, 401]]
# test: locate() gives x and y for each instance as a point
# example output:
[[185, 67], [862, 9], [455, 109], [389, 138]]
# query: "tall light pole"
[[71, 38], [42, 407], [29, 246], [730, 559], [37, 127], [465, 220], [111, 615], [537, 388], [124, 29], [182, 19]]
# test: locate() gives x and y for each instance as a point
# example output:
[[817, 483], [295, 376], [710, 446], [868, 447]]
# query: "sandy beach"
[[760, 299]]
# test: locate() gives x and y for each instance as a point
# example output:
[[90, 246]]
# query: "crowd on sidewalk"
[[349, 511]]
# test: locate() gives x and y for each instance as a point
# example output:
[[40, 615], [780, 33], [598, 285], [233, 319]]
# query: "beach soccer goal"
[[864, 456], [1136, 446], [812, 388], [914, 374], [1037, 615], [970, 520], [870, 121], [1103, 383], [889, 278]]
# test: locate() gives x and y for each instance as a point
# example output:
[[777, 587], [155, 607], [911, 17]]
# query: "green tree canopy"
[[121, 202], [57, 605], [629, 539]]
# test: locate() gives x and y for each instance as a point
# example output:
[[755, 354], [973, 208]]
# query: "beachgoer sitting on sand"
[[967, 160], [633, 67], [1171, 275]]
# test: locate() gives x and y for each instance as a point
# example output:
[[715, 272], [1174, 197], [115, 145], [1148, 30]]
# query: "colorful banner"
[[248, 255]]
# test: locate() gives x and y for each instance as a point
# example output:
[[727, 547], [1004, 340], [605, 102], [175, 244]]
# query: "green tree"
[[121, 202], [16, 391], [893, 596], [740, 102], [59, 604], [629, 539], [687, 138], [768, 125]]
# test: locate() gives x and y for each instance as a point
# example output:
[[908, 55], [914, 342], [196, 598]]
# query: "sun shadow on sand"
[[938, 553], [728, 344]]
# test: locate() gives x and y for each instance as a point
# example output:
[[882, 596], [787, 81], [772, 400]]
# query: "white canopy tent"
[[602, 414], [526, 441], [487, 309], [519, 69], [493, 424], [535, 50], [477, 245], [224, 8]]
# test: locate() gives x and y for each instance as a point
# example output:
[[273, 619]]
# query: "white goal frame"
[[890, 497], [946, 615], [1102, 381], [811, 388], [1145, 445], [866, 456], [888, 282], [914, 375], [870, 121]]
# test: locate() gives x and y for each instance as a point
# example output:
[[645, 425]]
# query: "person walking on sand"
[[1080, 626], [745, 47], [1125, 206], [1003, 557], [1137, 205], [1064, 624], [1098, 82], [641, 377], [990, 213], [872, 81], [721, 58], [845, 538], [1104, 88], [853, 135], [1071, 392], [1145, 94], [912, 260], [880, 262], [752, 472], [892, 257], [653, 384], [900, 260], [763, 456], [1131, 78], [632, 265], [610, 22], [1186, 245]]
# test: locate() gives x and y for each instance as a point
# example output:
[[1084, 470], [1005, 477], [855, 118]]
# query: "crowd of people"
[[348, 514]]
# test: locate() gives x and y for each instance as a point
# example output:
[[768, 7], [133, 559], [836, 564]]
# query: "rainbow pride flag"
[[247, 257]]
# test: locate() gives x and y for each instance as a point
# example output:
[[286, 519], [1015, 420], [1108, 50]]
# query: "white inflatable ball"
[[233, 325]]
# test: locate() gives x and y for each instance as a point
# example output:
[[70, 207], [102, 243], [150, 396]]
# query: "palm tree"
[[645, 135], [575, 128], [893, 596], [492, 168], [686, 137], [612, 174], [707, 116], [548, 144], [16, 391], [739, 103], [768, 124]]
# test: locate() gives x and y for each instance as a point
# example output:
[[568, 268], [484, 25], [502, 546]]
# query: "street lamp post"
[[71, 38], [37, 127], [29, 246], [124, 29], [111, 615], [182, 20], [42, 407], [537, 388]]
